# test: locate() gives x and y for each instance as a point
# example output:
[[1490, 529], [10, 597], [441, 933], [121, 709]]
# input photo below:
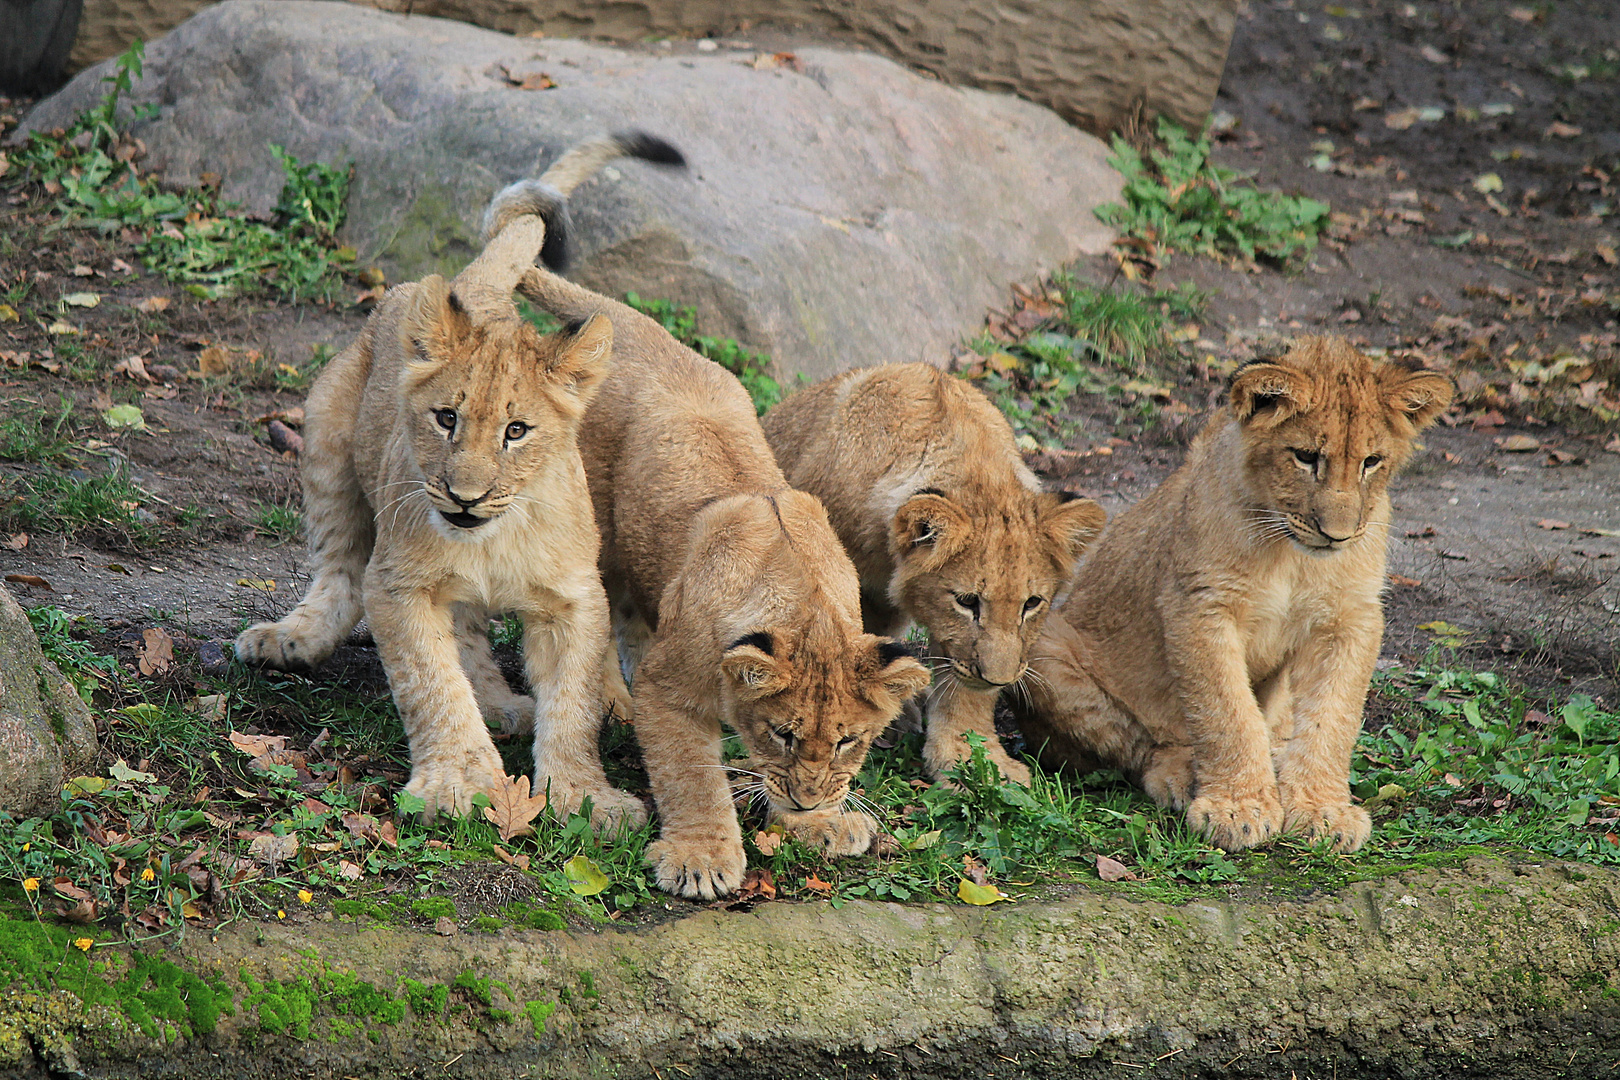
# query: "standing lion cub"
[[442, 482], [736, 593], [1220, 637], [946, 525]]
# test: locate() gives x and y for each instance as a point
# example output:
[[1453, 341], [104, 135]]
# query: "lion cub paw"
[[834, 832], [508, 714], [699, 869], [449, 789], [1169, 778], [1235, 824], [280, 645], [1346, 826], [938, 760], [611, 809]]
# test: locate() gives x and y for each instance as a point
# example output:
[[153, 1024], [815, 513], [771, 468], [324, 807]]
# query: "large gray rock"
[[843, 212], [46, 732]]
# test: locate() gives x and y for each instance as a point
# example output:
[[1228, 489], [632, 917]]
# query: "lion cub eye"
[[1372, 462], [846, 742], [446, 418], [516, 430], [1307, 458], [784, 737], [1032, 603], [968, 602]]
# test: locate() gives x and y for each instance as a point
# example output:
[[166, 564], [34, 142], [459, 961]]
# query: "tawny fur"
[[443, 483], [1220, 637], [923, 483], [739, 599]]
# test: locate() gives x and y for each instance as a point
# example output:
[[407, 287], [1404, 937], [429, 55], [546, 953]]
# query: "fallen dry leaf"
[[153, 304], [1519, 444], [1113, 870], [1404, 582], [268, 848], [767, 842], [156, 652], [262, 584], [32, 580], [816, 885], [1433, 55], [134, 367], [511, 808], [256, 745], [214, 360], [348, 871], [519, 861], [1552, 523], [1560, 130], [17, 542]]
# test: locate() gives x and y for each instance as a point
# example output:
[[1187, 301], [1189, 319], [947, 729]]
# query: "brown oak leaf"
[[511, 808]]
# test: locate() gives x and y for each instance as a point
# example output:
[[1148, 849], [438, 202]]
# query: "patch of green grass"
[[85, 668], [1181, 200], [193, 237], [281, 524], [751, 368], [103, 509], [34, 434]]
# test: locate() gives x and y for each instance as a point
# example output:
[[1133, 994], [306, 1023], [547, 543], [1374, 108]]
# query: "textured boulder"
[[45, 728], [840, 210], [1099, 63]]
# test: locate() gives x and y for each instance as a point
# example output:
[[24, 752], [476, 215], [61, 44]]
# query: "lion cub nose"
[[462, 501]]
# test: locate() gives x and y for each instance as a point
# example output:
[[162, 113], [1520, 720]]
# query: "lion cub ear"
[[891, 673], [751, 667], [930, 525], [582, 362], [1069, 523], [1420, 396], [436, 315], [1267, 394]]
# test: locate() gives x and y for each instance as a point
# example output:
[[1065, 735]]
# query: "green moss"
[[47, 700], [533, 916], [426, 1000], [434, 907], [390, 912], [537, 1012], [489, 924]]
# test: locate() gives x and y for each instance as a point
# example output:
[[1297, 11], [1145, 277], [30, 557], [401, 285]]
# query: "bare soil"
[[1535, 280]]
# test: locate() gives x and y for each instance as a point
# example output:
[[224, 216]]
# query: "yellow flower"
[[280, 914], [28, 847], [83, 943], [305, 896], [31, 884], [147, 874]]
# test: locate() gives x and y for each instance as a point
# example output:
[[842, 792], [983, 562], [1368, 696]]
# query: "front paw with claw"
[[834, 833], [611, 809], [1346, 827], [450, 788], [1233, 824], [701, 868]]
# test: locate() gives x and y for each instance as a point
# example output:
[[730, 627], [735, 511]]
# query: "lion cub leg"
[[452, 757], [699, 851], [564, 640], [1329, 680], [504, 711], [340, 541], [961, 711]]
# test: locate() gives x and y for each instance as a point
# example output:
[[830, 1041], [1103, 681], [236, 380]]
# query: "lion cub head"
[[491, 404], [1323, 429], [981, 572], [808, 704]]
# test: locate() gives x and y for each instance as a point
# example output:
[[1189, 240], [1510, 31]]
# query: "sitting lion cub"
[[1219, 640], [744, 601], [925, 486], [442, 482]]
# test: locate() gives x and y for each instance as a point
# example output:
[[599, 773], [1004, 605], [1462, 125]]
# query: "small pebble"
[[215, 662]]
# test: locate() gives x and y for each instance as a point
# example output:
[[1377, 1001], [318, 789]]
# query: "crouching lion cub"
[[1220, 638], [925, 487], [737, 594], [442, 482]]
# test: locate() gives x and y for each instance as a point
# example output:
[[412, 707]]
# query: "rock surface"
[[1487, 970], [839, 211], [46, 733], [1098, 63]]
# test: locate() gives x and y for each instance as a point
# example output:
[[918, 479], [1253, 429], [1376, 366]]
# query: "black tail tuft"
[[890, 651], [556, 251], [650, 148]]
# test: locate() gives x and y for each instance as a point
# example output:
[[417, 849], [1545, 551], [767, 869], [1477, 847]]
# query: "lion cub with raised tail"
[[737, 594], [924, 485], [442, 483], [1219, 641]]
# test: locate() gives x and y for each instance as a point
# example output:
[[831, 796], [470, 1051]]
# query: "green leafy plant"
[[195, 238], [37, 435], [1182, 200], [104, 508], [280, 523]]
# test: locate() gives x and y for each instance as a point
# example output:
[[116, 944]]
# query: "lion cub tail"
[[547, 197]]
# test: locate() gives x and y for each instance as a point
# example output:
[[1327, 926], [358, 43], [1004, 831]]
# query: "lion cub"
[[1219, 640], [925, 487], [739, 597], [442, 482]]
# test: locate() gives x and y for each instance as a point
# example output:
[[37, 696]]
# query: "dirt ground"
[[1533, 280]]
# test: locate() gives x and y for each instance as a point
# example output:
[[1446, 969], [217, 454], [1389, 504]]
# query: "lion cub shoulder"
[[925, 486], [1219, 641]]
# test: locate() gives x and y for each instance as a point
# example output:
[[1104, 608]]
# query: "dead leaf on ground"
[[153, 304], [1404, 582], [816, 885], [511, 808], [1552, 523], [134, 367], [293, 417], [1518, 444], [214, 360], [268, 848], [17, 542], [769, 61], [1560, 130], [519, 861], [31, 580], [256, 745], [283, 439], [1555, 458], [976, 871], [758, 885], [1113, 870], [767, 842], [535, 80], [156, 652], [349, 871]]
